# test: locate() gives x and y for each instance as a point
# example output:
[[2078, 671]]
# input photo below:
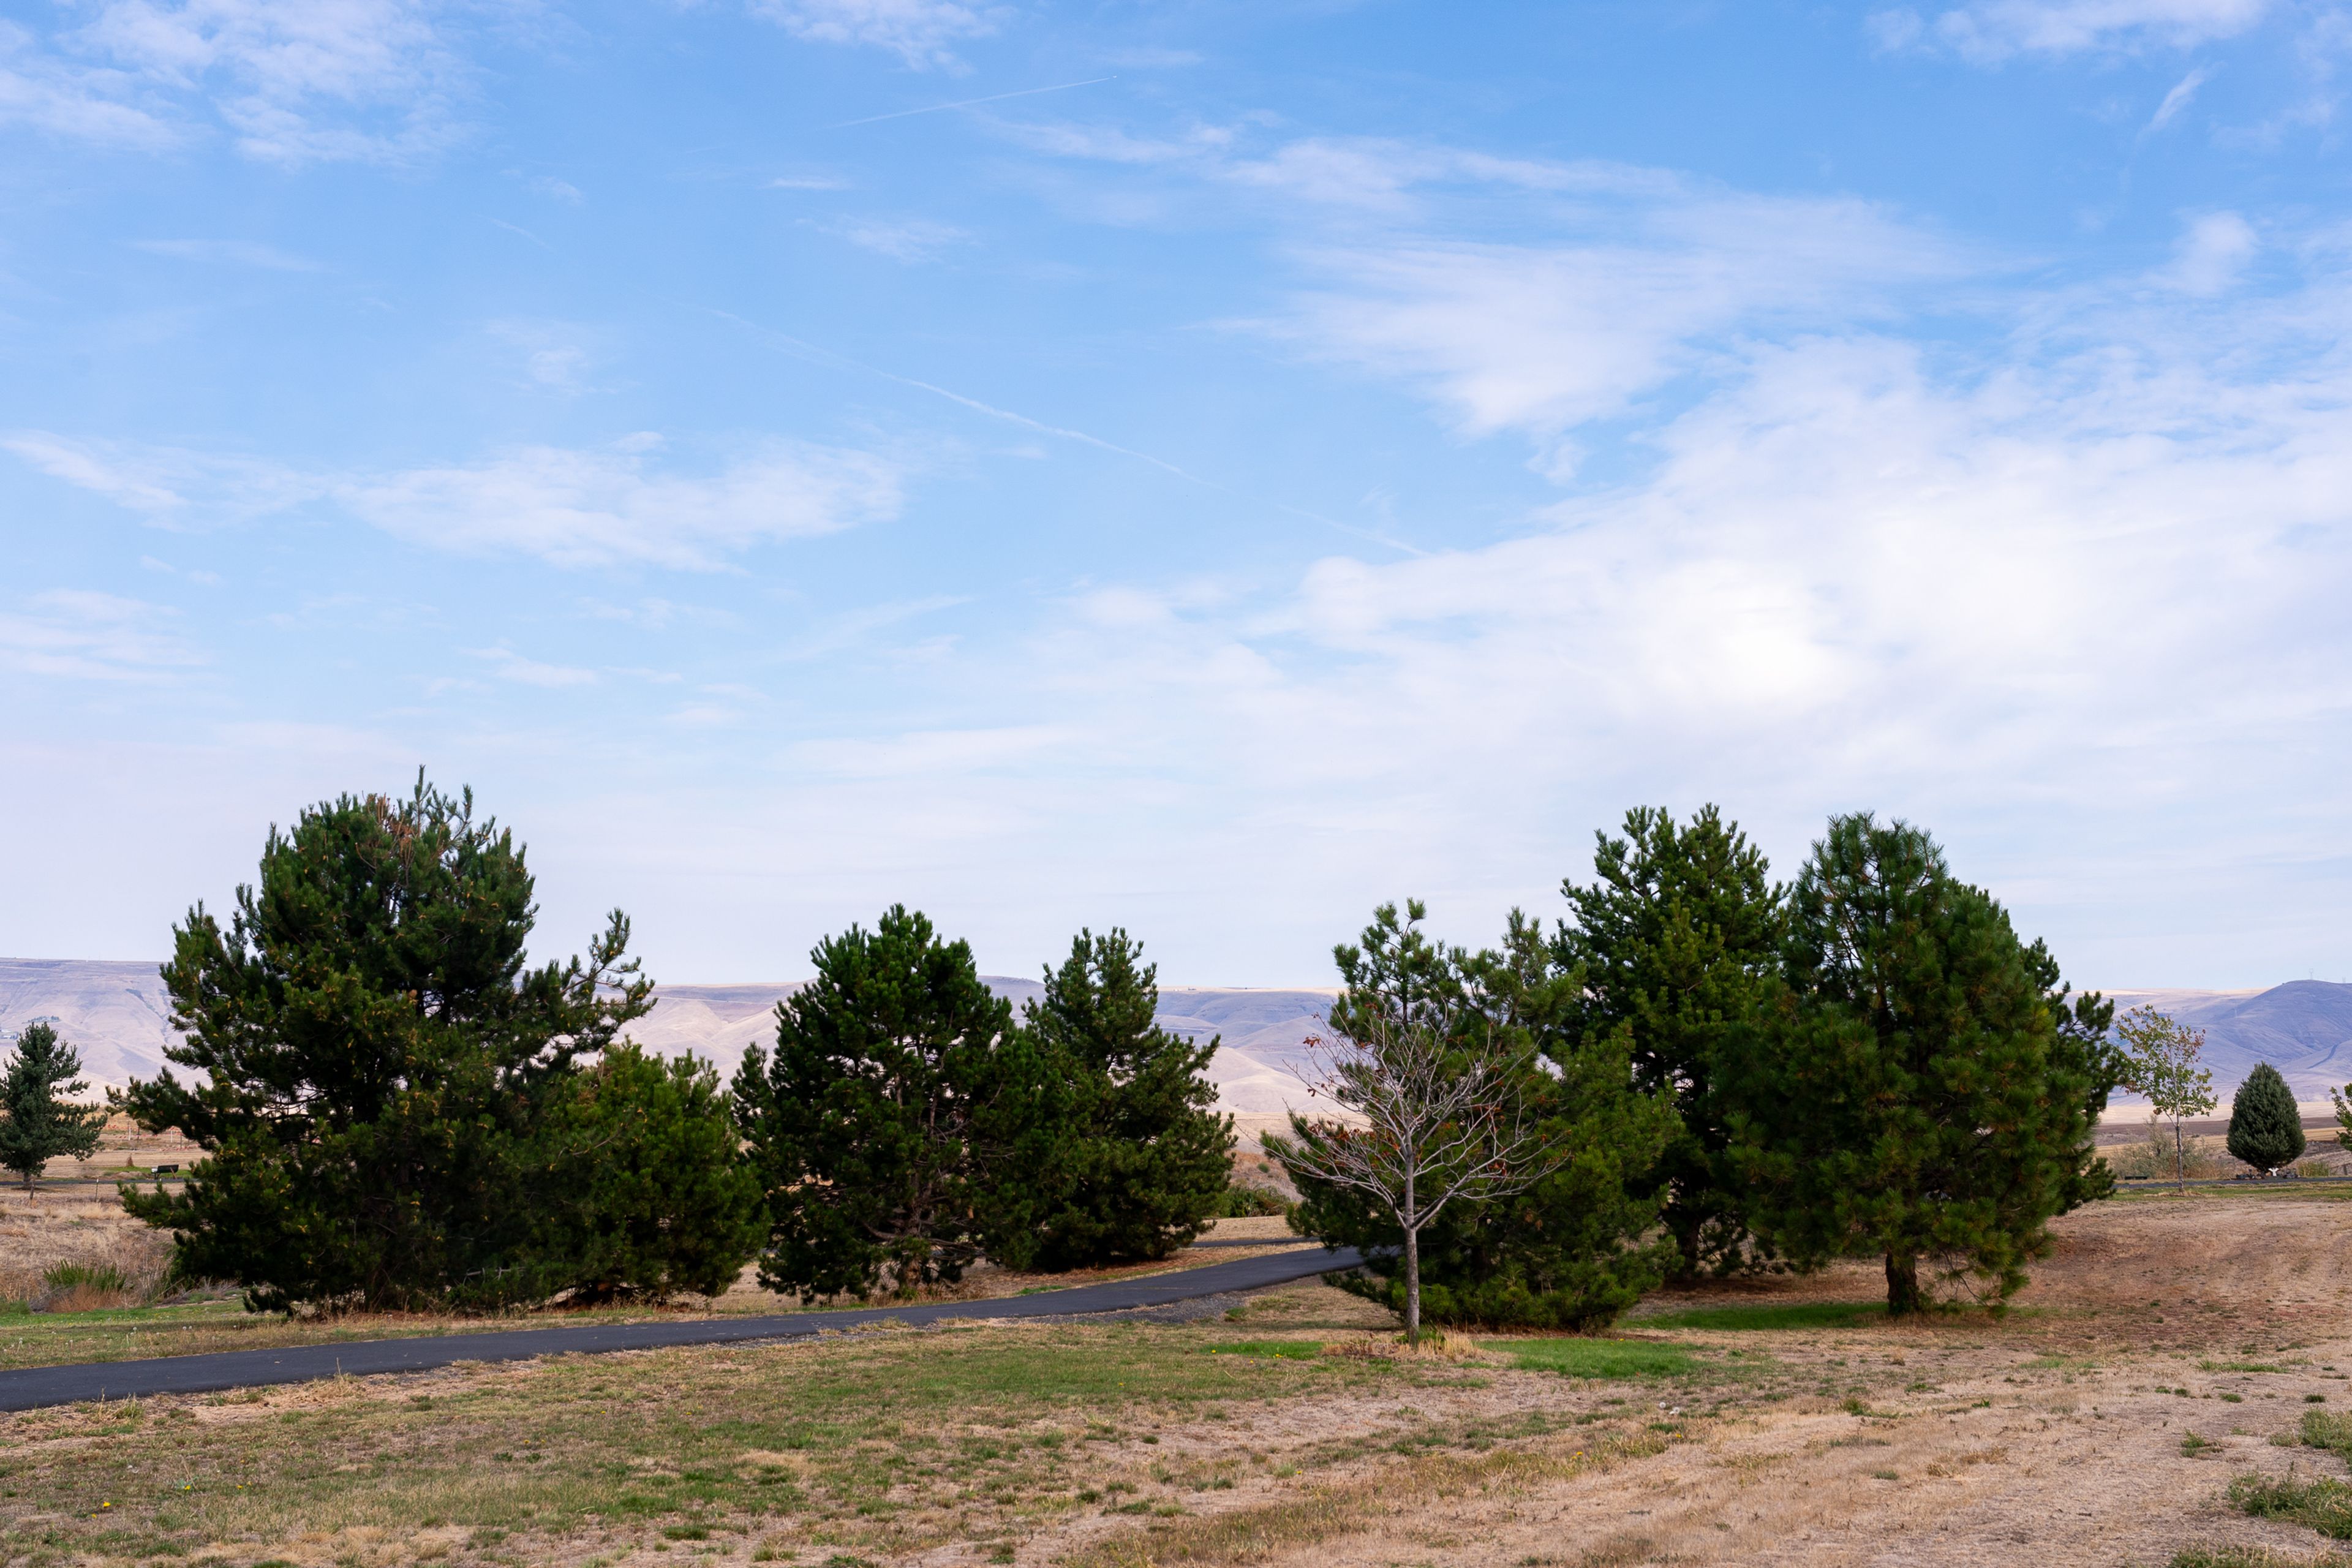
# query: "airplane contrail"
[[801, 348], [967, 103]]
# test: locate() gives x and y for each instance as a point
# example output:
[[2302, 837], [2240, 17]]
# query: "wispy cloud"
[[920, 32], [573, 507], [93, 636], [229, 253], [900, 239], [2177, 98], [511, 666], [1992, 30], [291, 81], [2213, 253]]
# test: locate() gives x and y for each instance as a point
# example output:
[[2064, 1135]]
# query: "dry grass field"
[[2172, 1350]]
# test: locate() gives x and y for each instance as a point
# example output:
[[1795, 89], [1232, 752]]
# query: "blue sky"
[[1200, 467]]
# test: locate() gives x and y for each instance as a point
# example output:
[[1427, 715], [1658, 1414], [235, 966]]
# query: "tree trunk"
[[1412, 1286], [2179, 1164], [1411, 1263], [1903, 1297]]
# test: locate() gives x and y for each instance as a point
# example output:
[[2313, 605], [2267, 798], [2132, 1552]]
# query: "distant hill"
[[118, 1016], [2304, 1028]]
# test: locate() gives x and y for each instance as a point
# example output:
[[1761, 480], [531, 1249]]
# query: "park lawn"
[[884, 1442]]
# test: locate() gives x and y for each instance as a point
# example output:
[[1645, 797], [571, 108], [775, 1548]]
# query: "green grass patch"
[[1761, 1316], [2323, 1505], [1598, 1358], [1281, 1350], [2251, 1557]]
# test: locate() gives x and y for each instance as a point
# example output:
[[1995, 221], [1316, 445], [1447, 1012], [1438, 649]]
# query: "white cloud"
[[2177, 98], [919, 32], [1993, 30], [573, 507], [513, 666], [901, 240], [563, 191], [555, 354], [169, 484], [593, 508], [2211, 255], [228, 252], [293, 81], [92, 637], [1641, 280], [78, 102]]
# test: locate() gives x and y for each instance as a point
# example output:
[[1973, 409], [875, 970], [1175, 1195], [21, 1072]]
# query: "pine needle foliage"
[[899, 1122], [39, 1123], [1678, 939], [1916, 1095], [373, 1063], [2265, 1123], [653, 1199], [1143, 1162]]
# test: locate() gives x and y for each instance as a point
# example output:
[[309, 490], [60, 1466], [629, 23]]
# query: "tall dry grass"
[[77, 1251]]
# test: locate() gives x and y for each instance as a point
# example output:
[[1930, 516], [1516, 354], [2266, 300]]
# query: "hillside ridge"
[[117, 1015]]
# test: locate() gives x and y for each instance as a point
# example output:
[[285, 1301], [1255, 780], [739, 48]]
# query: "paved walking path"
[[33, 1387]]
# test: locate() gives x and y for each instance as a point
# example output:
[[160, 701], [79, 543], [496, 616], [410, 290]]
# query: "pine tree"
[[36, 1125], [654, 1197], [1678, 939], [1913, 1096], [1574, 1250], [900, 1122], [1146, 1161], [2265, 1123], [373, 1063]]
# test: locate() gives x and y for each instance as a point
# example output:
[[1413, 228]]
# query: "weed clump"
[[2322, 1504]]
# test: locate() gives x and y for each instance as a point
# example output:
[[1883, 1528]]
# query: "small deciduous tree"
[[1146, 1159], [899, 1122], [2265, 1123], [2159, 1060], [1432, 1104], [38, 1122]]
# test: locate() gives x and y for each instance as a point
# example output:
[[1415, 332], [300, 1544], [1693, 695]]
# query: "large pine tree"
[[899, 1123], [1913, 1097], [372, 1062], [1678, 940], [37, 1123], [1146, 1161]]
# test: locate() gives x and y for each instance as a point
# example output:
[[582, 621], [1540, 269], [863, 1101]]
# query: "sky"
[[1201, 467]]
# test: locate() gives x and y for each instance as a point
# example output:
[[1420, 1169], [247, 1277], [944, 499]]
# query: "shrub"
[[1242, 1200], [2265, 1125]]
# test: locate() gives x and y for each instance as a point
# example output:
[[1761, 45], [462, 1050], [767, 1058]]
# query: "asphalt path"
[[34, 1387]]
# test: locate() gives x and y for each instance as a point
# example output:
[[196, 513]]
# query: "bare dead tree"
[[1434, 1128]]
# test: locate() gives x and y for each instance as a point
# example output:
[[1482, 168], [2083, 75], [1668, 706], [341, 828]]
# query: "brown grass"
[[2055, 1437]]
